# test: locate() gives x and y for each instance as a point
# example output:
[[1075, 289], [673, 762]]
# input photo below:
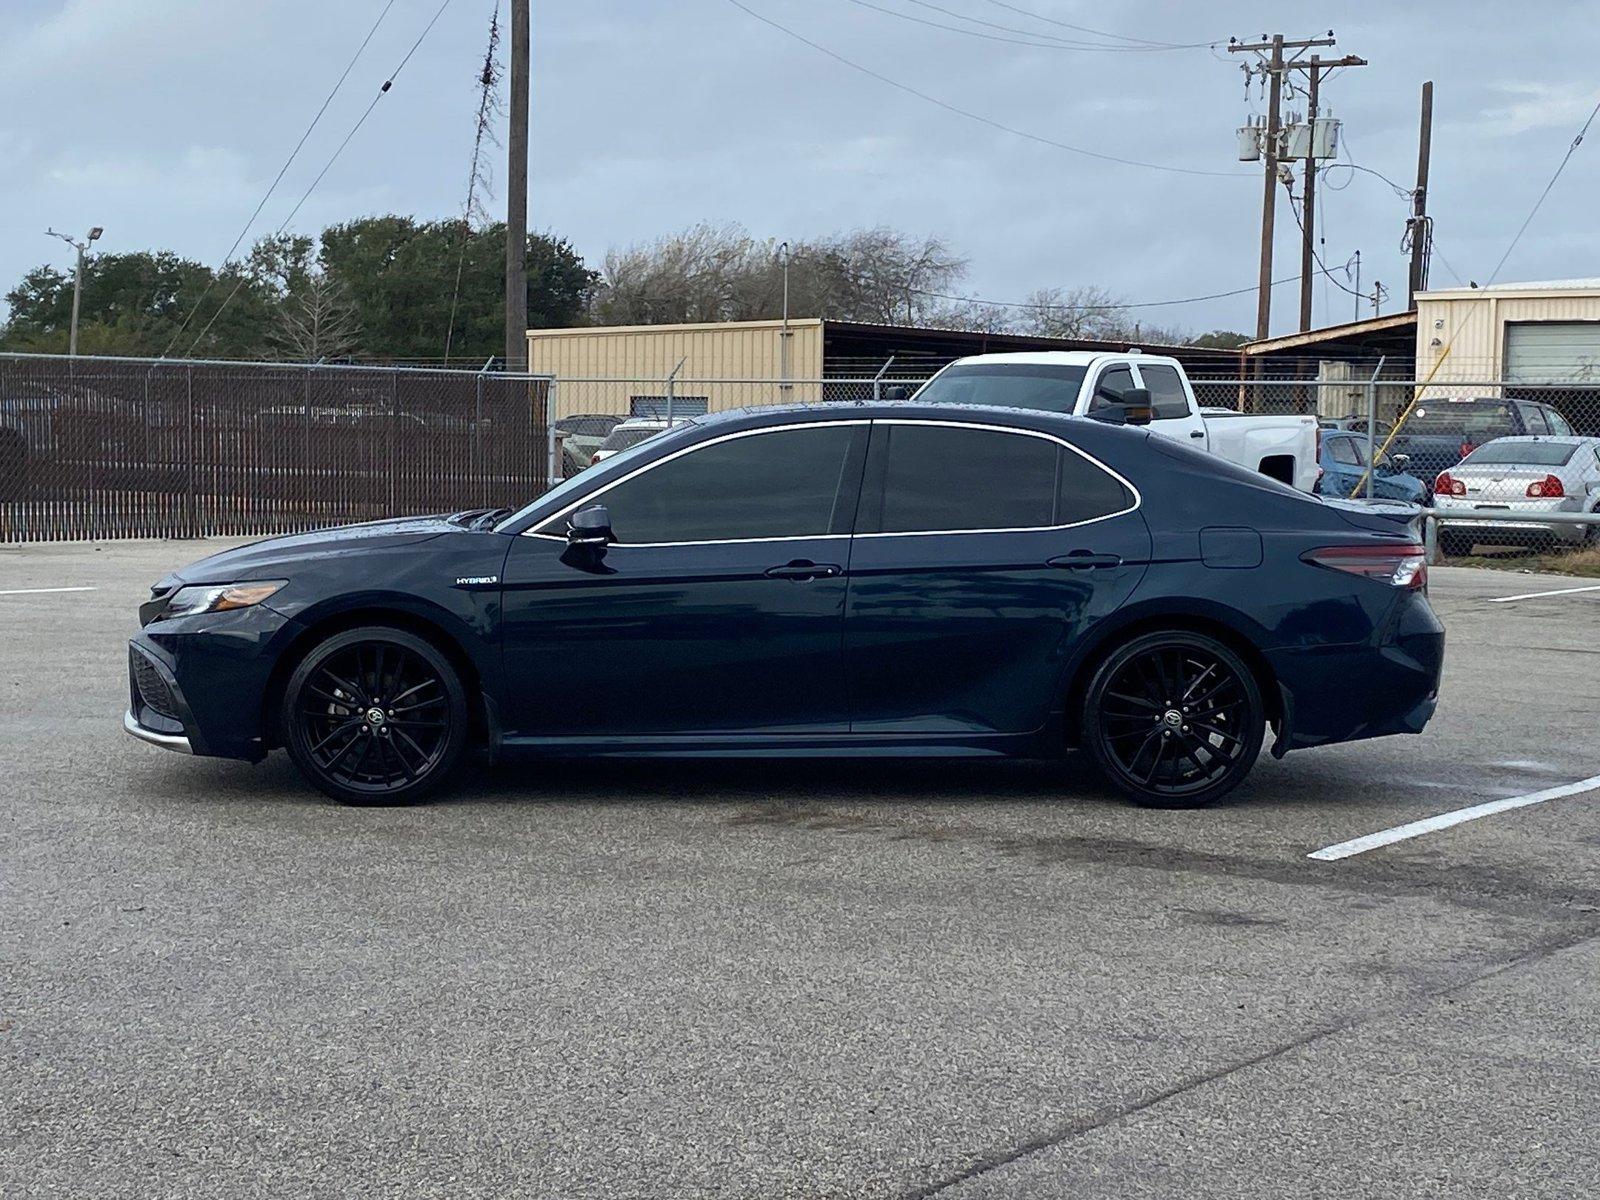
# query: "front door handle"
[[803, 569], [1197, 433], [1081, 560]]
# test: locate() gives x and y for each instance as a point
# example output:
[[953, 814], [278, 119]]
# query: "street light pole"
[[77, 281]]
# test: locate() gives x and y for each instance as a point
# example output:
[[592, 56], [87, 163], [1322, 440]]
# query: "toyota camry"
[[893, 579]]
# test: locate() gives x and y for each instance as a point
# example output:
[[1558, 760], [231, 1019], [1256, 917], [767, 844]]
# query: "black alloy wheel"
[[375, 716], [1174, 720]]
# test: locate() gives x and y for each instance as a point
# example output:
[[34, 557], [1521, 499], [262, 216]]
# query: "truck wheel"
[[1173, 719]]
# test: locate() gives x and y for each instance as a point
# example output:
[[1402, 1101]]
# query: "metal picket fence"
[[95, 448]]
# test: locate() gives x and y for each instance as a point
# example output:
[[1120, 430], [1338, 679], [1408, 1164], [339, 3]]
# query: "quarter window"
[[937, 477], [1168, 400], [790, 483]]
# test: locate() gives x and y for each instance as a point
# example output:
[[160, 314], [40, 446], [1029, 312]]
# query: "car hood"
[[262, 560]]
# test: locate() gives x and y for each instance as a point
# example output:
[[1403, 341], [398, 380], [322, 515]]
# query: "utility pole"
[[1418, 228], [517, 193], [77, 280], [1272, 65], [1308, 259]]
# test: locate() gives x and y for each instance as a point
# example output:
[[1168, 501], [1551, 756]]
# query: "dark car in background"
[[877, 580], [1439, 433]]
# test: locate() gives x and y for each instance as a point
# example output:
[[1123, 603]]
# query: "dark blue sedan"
[[1343, 460], [882, 579]]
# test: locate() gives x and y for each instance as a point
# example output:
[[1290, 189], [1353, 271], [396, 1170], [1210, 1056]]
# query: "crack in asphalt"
[[1109, 1114]]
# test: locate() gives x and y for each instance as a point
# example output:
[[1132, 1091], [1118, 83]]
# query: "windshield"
[[1009, 385], [1532, 454], [1478, 420]]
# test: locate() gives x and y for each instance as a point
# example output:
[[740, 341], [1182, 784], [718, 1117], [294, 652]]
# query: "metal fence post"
[[1372, 423], [877, 380], [394, 419], [190, 523]]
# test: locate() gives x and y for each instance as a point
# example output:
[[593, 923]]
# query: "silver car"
[[1522, 475]]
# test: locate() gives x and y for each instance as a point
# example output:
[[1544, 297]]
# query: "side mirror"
[[590, 527], [1136, 408], [1400, 461], [897, 391]]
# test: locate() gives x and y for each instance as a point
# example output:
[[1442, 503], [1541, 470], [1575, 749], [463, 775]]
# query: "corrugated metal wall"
[[646, 355], [1473, 324]]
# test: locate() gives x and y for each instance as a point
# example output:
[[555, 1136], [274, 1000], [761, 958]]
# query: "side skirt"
[[1028, 745]]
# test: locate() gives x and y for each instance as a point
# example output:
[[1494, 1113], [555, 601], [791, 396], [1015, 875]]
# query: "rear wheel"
[[375, 716], [1173, 720]]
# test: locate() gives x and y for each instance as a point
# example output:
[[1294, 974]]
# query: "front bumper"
[[199, 684], [167, 741]]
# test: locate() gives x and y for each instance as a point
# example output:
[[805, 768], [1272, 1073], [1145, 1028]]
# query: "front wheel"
[[375, 716], [1173, 720]]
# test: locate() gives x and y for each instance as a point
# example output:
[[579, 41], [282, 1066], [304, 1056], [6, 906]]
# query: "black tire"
[[1455, 545], [360, 746], [1173, 719]]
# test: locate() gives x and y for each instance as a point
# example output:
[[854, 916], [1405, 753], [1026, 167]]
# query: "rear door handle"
[[802, 570], [1082, 560]]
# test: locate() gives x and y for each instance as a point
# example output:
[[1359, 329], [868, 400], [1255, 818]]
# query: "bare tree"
[[315, 321]]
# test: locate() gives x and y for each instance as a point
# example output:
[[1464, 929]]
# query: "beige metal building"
[[624, 369], [1518, 333]]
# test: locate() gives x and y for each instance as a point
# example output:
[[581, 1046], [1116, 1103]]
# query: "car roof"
[[1061, 358]]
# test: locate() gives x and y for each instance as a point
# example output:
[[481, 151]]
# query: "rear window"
[[621, 439], [1532, 454], [1479, 419], [1010, 385]]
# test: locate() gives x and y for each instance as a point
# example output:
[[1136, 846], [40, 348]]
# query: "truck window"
[[1111, 387], [1533, 418], [1168, 400]]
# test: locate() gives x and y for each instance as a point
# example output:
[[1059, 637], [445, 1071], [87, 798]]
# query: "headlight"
[[219, 597]]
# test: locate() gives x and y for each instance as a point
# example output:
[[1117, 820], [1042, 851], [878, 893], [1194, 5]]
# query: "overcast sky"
[[165, 120]]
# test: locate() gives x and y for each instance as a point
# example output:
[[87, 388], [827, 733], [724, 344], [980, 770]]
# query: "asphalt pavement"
[[799, 979]]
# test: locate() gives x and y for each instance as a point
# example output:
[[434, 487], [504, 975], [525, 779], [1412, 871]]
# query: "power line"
[[1119, 307], [971, 116], [1539, 203], [282, 171], [1054, 42], [354, 129], [1102, 33]]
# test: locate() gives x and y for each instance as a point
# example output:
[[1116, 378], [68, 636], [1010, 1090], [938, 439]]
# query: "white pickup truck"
[[1084, 382]]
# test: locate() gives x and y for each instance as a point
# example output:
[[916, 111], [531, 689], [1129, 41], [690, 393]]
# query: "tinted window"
[[1011, 385], [938, 477], [782, 484], [1111, 387], [1086, 491], [1480, 419], [1558, 423], [1533, 419], [1168, 400], [1343, 450]]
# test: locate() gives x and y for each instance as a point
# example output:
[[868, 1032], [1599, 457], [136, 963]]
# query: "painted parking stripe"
[[39, 591], [1387, 837], [1535, 595]]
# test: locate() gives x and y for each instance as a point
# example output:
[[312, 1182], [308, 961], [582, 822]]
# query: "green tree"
[[1221, 339], [401, 277]]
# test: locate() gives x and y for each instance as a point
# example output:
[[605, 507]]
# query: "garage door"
[[1553, 352]]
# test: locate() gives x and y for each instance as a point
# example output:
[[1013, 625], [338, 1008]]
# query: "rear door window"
[[944, 478], [1343, 450], [1168, 400]]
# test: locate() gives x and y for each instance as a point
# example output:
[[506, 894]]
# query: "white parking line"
[[1386, 837], [37, 591], [1535, 595]]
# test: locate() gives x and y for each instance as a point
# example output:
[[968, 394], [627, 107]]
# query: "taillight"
[[1398, 564], [1466, 449], [1548, 488], [1448, 485]]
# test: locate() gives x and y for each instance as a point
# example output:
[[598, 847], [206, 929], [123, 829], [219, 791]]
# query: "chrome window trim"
[[650, 466], [1138, 498]]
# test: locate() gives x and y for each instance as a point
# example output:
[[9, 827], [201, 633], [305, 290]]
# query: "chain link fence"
[[96, 448]]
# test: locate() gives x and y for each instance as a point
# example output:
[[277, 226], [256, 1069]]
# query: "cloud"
[[1530, 106]]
